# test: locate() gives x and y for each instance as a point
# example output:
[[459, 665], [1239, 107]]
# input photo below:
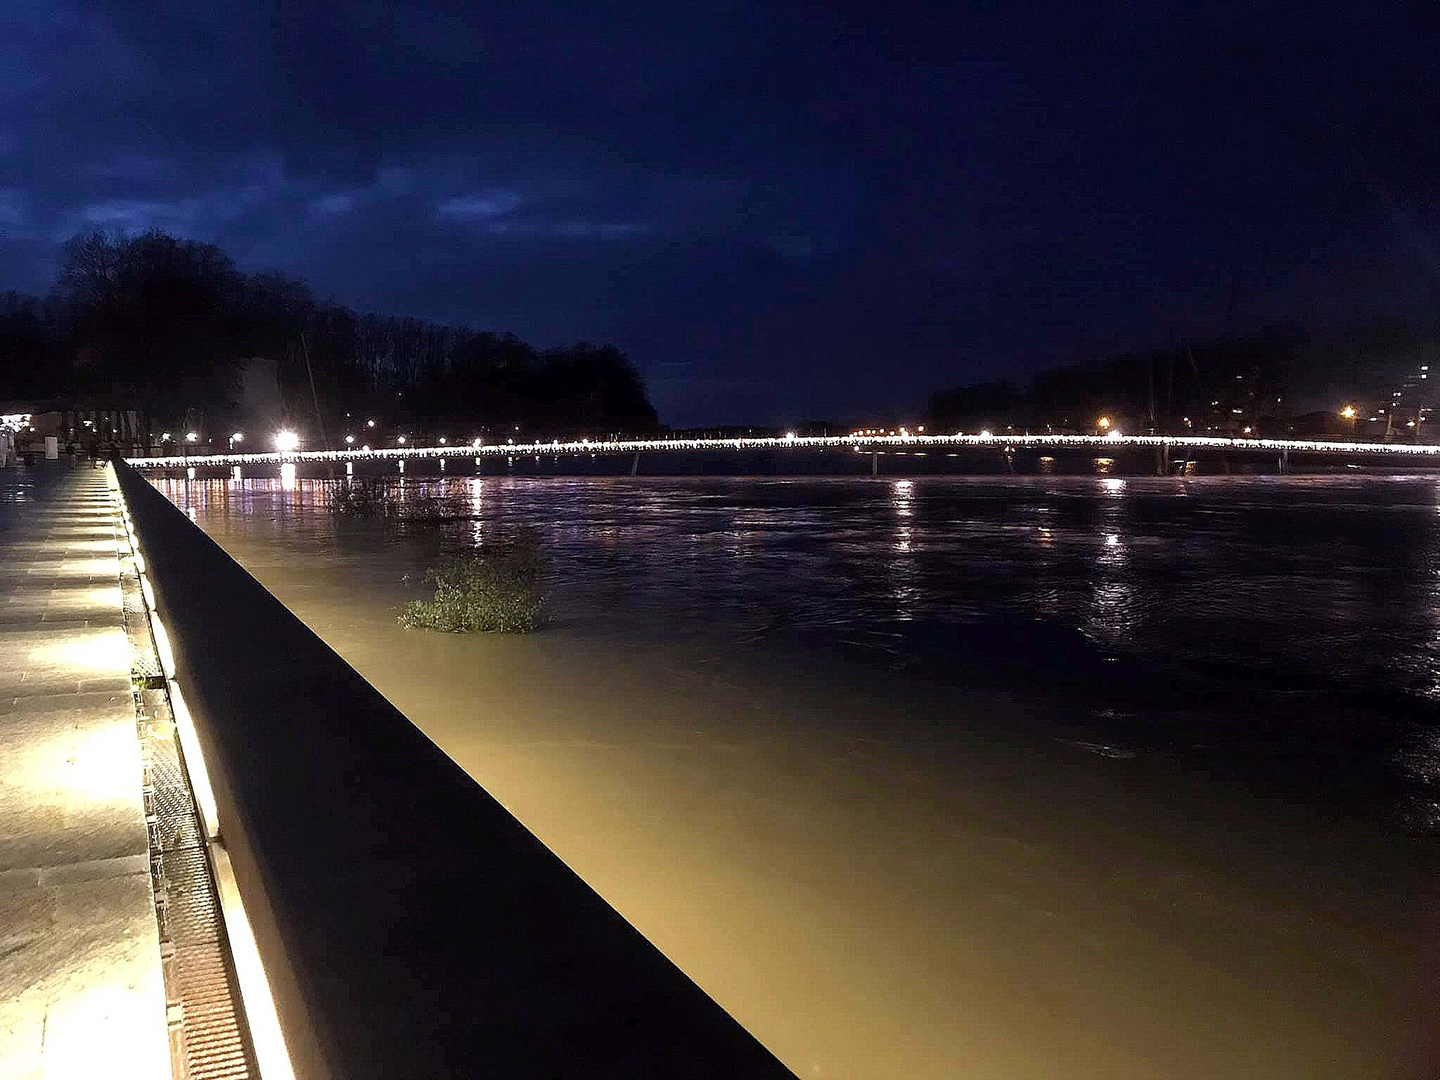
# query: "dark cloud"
[[780, 209]]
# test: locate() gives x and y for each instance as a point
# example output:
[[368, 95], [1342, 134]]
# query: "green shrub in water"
[[495, 588]]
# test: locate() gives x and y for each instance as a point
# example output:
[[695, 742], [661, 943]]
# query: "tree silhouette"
[[164, 326]]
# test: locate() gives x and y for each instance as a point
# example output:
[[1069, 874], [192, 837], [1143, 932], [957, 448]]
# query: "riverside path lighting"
[[286, 441]]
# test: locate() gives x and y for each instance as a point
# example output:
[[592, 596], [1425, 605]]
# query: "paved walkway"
[[81, 992]]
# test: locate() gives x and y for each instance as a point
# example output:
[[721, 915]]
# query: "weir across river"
[[1165, 446]]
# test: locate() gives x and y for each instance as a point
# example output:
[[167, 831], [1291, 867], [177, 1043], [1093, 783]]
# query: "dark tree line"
[[167, 327], [1263, 381]]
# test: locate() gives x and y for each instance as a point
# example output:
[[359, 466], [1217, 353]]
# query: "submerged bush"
[[361, 497], [381, 497], [496, 588]]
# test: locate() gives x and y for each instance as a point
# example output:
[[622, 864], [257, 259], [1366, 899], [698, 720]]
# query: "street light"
[[1103, 423], [1349, 413], [286, 441], [349, 440], [190, 436]]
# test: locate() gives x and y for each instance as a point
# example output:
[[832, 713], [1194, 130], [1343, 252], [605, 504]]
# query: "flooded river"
[[1010, 777]]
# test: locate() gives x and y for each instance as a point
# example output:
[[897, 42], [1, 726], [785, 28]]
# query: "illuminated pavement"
[[81, 992]]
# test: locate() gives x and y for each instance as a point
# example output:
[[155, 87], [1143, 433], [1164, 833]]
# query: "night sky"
[[781, 211]]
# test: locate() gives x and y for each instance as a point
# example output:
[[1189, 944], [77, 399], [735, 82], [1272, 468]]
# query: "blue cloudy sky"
[[781, 210]]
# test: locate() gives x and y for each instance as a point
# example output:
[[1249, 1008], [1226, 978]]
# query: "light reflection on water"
[[1311, 596], [1318, 593]]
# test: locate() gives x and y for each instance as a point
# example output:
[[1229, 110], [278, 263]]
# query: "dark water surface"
[[1025, 776]]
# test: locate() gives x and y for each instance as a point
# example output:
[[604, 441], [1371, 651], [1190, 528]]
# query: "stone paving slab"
[[81, 991], [65, 660], [23, 608], [52, 745]]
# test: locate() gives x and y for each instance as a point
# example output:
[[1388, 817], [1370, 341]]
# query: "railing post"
[[635, 463]]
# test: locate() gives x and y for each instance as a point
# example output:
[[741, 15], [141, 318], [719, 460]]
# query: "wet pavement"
[[81, 992]]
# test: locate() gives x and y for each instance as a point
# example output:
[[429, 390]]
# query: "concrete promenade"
[[81, 989]]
